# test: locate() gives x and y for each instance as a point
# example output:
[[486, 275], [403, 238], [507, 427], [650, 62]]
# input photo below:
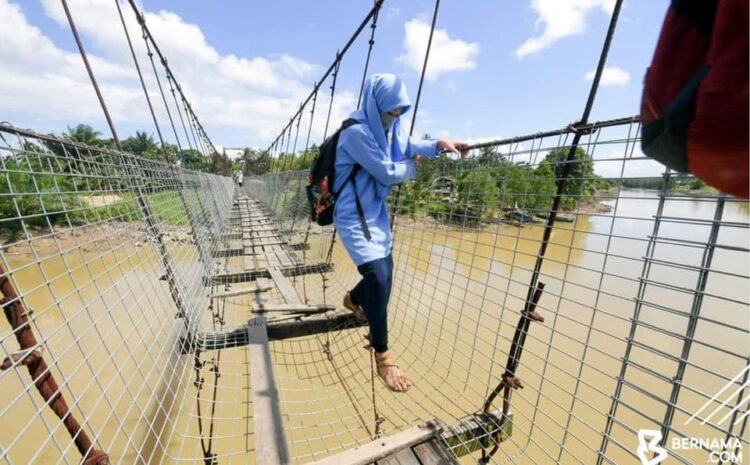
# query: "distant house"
[[445, 189]]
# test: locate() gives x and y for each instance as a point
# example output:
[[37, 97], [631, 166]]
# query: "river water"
[[457, 292]]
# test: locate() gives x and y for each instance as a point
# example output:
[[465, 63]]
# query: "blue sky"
[[499, 68]]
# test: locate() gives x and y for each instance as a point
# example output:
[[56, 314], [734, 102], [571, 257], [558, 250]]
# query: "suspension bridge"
[[158, 315]]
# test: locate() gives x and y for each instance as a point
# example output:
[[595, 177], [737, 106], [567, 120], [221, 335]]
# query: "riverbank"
[[44, 242]]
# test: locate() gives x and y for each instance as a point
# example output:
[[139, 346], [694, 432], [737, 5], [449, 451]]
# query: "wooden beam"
[[434, 453], [268, 427], [377, 450], [281, 331], [286, 288], [276, 332], [246, 276], [293, 308], [240, 291], [223, 253]]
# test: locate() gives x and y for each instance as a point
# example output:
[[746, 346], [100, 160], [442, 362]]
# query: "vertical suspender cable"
[[509, 380], [152, 227], [397, 197]]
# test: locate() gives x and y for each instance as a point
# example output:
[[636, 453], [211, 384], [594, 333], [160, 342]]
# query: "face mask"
[[387, 119]]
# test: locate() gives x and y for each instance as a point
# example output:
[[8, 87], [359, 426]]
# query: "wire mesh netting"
[[645, 303], [124, 285]]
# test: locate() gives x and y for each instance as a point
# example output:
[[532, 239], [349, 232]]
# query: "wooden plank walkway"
[[269, 260], [270, 440], [419, 445]]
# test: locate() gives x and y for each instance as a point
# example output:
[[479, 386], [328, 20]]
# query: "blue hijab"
[[382, 93]]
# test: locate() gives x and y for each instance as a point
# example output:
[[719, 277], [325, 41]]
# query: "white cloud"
[[446, 54], [559, 19], [249, 98], [611, 76]]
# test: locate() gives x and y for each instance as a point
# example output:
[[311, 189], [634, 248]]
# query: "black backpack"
[[320, 193]]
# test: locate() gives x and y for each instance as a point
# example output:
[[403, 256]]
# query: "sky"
[[497, 68]]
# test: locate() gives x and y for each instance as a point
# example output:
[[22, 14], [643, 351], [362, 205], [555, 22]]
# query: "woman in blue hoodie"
[[385, 157]]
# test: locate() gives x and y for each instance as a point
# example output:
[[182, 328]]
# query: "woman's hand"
[[457, 147]]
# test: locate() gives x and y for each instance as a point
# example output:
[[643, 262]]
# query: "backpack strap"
[[360, 210]]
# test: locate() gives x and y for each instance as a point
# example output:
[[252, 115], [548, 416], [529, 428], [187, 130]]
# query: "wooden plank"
[[433, 453], [241, 291], [270, 441], [376, 450], [256, 235], [298, 308], [287, 290], [402, 457]]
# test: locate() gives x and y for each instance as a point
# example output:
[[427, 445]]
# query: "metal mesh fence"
[[107, 253], [645, 305], [124, 321]]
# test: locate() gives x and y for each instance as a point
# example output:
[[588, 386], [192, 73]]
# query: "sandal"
[[355, 309], [392, 381]]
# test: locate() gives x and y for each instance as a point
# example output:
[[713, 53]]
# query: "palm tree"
[[140, 144], [84, 134]]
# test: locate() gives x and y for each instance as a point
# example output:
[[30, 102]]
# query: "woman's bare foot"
[[391, 373], [354, 308]]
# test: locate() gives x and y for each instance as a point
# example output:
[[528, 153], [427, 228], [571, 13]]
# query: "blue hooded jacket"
[[385, 161]]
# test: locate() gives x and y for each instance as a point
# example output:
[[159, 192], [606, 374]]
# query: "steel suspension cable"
[[360, 28], [141, 19], [371, 43], [193, 226]]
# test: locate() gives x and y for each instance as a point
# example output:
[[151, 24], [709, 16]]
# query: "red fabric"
[[718, 136], [680, 52]]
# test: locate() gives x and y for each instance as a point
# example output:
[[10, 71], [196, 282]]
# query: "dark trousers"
[[372, 294]]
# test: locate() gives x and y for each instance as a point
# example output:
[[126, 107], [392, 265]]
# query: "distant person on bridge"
[[386, 157], [239, 176]]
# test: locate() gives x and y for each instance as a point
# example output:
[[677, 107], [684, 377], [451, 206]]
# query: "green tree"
[[141, 144], [191, 159], [581, 181], [257, 162], [477, 196], [84, 134], [220, 164]]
